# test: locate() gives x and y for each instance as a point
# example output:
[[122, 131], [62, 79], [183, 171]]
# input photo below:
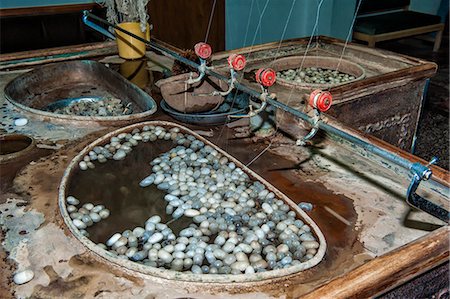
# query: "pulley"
[[237, 62], [203, 50], [266, 77], [320, 100]]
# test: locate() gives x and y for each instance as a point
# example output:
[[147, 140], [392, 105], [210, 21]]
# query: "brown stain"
[[40, 180], [10, 169], [89, 278]]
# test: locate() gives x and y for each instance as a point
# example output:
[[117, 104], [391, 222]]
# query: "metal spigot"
[[236, 62]]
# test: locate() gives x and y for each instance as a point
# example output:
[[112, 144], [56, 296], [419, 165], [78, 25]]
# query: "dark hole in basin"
[[10, 144], [115, 185]]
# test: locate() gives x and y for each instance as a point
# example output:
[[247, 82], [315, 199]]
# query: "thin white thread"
[[248, 23], [284, 31], [211, 15], [259, 155], [292, 89], [350, 30]]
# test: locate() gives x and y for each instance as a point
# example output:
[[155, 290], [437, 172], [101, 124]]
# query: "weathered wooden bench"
[[380, 20]]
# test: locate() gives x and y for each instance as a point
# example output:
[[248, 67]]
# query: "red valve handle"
[[203, 50], [320, 100], [266, 77], [237, 62]]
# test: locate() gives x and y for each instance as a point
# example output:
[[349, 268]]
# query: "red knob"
[[203, 50], [237, 61], [321, 100], [266, 77]]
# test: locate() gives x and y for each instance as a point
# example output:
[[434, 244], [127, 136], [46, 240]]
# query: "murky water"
[[115, 185]]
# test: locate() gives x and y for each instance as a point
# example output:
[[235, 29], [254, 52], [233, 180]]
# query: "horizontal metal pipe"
[[326, 127]]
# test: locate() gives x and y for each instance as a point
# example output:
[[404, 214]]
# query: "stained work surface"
[[350, 220], [358, 205]]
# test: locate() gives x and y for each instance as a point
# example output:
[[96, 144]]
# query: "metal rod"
[[326, 127]]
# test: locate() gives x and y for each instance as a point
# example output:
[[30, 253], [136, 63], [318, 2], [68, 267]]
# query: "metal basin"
[[69, 184], [59, 84], [193, 98], [236, 105]]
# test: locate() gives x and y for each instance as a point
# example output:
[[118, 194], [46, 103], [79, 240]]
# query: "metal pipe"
[[326, 127]]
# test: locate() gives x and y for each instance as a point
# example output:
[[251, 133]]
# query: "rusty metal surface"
[[358, 203], [14, 146]]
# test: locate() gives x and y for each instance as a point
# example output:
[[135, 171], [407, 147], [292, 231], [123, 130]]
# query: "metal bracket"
[[231, 82], [251, 113], [422, 173], [314, 130], [221, 93], [201, 69]]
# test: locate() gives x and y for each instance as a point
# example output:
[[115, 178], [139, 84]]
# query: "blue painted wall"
[[426, 6], [334, 20], [34, 3]]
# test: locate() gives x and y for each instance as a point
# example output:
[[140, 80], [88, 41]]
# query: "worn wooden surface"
[[390, 270], [45, 10]]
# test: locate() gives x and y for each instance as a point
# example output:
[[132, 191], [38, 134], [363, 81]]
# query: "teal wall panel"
[[335, 18]]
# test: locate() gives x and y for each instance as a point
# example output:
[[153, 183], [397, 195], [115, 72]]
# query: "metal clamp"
[[302, 141], [252, 112], [423, 173]]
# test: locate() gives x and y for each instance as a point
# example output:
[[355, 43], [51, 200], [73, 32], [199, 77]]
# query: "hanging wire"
[[350, 31], [292, 88], [284, 31], [253, 42], [211, 15], [248, 23]]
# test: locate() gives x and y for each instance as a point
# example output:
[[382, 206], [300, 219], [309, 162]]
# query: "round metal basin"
[[59, 84], [192, 98]]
